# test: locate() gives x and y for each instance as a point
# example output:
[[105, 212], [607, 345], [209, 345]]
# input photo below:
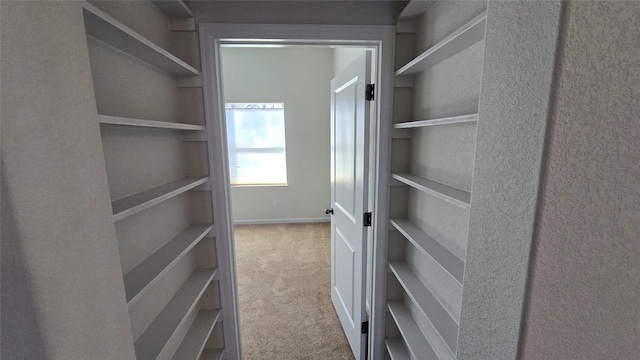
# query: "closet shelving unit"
[[137, 202], [395, 349], [444, 192], [426, 269], [184, 327], [141, 123]]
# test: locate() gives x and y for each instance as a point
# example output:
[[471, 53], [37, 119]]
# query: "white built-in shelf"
[[433, 122], [469, 34], [143, 200], [152, 343], [431, 247], [140, 278], [442, 318], [414, 9], [101, 26], [445, 192], [197, 336], [403, 130], [395, 348], [417, 345], [212, 354], [173, 8], [127, 122]]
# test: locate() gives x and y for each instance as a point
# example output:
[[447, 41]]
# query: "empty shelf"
[[414, 9], [212, 354], [143, 200], [417, 345], [101, 26], [121, 121], [441, 121], [194, 341], [396, 349], [173, 8], [138, 280], [421, 240], [154, 339], [445, 192], [442, 319], [469, 34]]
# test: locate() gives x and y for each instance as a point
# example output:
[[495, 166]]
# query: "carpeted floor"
[[284, 279]]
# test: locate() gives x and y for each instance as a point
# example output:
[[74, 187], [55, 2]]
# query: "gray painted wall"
[[585, 290], [62, 292], [300, 77], [353, 12]]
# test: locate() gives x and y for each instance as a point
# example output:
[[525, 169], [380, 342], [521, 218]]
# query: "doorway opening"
[[214, 38], [277, 101]]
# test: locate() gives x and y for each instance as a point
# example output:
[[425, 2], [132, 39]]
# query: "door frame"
[[380, 37]]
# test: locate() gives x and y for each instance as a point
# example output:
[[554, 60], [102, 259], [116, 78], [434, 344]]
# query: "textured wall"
[[585, 290], [300, 77], [358, 12], [520, 48], [62, 293]]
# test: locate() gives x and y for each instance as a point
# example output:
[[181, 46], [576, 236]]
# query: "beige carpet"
[[284, 279]]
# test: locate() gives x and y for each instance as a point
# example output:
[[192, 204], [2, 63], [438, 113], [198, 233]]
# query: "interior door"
[[349, 182]]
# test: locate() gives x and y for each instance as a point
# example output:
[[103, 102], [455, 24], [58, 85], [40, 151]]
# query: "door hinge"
[[364, 327], [366, 219], [370, 92]]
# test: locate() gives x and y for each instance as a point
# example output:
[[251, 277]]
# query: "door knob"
[[328, 211]]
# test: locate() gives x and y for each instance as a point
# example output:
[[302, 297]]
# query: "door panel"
[[349, 182], [344, 282], [345, 139]]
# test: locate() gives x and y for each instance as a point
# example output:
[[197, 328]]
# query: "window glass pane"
[[257, 128], [256, 139], [260, 168]]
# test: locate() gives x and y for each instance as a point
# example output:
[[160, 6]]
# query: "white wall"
[[343, 56], [301, 78]]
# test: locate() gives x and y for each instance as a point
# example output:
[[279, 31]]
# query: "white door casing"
[[349, 189]]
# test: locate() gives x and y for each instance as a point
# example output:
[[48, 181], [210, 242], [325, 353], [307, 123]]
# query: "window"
[[255, 135]]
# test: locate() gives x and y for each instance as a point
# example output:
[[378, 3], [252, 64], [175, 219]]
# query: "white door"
[[349, 181]]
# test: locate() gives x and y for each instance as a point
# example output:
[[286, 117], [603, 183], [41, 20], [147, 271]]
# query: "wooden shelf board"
[[469, 34], [173, 8], [395, 348], [197, 336], [143, 200], [127, 122], [140, 278], [445, 192], [414, 9], [441, 318], [433, 122], [433, 248], [212, 354], [417, 345], [101, 26], [153, 340]]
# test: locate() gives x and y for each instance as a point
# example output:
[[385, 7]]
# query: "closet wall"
[[145, 67], [440, 48]]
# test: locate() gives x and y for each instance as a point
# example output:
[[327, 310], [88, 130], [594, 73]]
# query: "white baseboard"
[[281, 221]]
